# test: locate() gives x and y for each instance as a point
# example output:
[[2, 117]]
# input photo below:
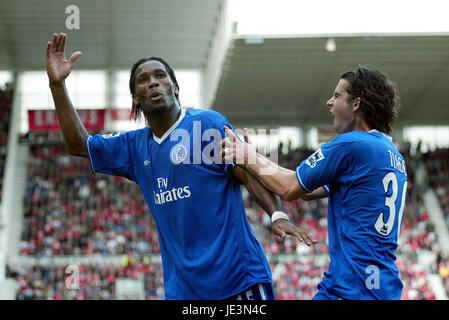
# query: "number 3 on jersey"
[[386, 228]]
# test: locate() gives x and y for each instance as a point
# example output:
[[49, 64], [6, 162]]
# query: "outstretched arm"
[[58, 68], [279, 180], [268, 202]]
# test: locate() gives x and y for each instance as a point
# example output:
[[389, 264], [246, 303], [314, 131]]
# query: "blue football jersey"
[[208, 248], [367, 185]]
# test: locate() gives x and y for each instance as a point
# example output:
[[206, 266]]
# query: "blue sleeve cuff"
[[300, 181], [89, 154]]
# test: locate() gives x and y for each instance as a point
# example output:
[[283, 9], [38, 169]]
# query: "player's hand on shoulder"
[[233, 149]]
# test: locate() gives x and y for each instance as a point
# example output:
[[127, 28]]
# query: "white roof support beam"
[[217, 54]]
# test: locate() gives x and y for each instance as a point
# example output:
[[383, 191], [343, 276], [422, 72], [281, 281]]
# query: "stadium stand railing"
[[437, 167]]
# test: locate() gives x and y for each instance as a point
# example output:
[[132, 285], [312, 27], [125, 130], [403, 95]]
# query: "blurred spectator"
[[442, 264]]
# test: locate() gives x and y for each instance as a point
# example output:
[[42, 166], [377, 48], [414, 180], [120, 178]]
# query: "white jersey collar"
[[385, 135], [173, 127]]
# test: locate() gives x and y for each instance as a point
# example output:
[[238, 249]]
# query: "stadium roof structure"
[[112, 34], [286, 81], [252, 80]]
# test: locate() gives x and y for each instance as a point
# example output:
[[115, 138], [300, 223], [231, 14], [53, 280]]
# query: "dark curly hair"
[[136, 111], [379, 98]]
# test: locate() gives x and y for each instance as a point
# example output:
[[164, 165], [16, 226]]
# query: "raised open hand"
[[58, 67]]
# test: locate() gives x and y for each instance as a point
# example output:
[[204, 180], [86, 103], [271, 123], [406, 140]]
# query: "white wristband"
[[279, 215]]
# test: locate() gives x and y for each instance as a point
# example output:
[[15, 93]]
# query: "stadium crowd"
[[95, 282], [437, 165], [69, 211]]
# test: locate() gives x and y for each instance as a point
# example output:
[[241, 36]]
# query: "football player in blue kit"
[[365, 178], [208, 248]]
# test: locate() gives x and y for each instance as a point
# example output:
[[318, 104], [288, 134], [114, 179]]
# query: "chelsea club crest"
[[178, 154]]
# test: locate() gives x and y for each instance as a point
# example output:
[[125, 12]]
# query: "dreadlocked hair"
[[136, 111]]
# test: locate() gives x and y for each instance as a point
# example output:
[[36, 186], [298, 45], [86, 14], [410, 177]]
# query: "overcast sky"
[[296, 17]]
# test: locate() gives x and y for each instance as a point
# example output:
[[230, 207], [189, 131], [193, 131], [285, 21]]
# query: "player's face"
[[155, 90], [342, 110]]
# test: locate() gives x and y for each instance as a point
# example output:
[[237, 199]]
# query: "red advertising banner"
[[46, 120], [120, 114]]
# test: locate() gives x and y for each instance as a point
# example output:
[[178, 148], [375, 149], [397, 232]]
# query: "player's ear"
[[356, 104], [135, 100], [176, 89]]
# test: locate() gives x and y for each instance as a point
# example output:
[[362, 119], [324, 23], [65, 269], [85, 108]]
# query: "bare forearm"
[[264, 197], [319, 193], [71, 126], [279, 180], [269, 202]]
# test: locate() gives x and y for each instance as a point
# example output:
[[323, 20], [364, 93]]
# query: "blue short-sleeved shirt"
[[367, 184], [208, 248]]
